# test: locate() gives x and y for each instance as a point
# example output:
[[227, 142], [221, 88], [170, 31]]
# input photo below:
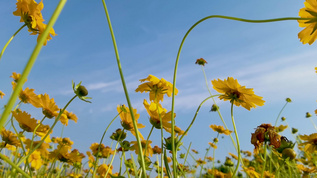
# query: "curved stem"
[[279, 114], [237, 139], [6, 45], [104, 133], [190, 125], [125, 90], [14, 165], [30, 63], [178, 55], [49, 131], [218, 111]]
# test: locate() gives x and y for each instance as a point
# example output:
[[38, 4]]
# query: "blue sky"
[[267, 57]]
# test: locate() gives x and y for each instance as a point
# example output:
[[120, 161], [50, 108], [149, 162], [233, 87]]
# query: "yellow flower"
[[16, 77], [220, 129], [308, 35], [35, 160], [43, 148], [233, 156], [212, 145], [49, 108], [25, 121], [281, 128], [251, 172], [1, 94], [200, 162], [68, 116], [311, 142], [75, 156], [156, 111], [10, 138], [28, 96], [201, 61], [104, 151], [30, 13], [237, 94], [103, 169], [156, 87], [149, 150], [126, 119], [306, 170], [267, 174]]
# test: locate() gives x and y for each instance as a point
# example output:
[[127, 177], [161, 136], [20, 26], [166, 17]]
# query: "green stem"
[[14, 165], [178, 55], [30, 63], [218, 111], [5, 46], [147, 139], [125, 90], [237, 139], [262, 173], [279, 114], [49, 131], [104, 133], [190, 125]]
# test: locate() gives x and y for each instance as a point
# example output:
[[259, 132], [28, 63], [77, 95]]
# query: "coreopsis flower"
[[75, 157], [91, 159], [157, 150], [43, 148], [194, 151], [156, 111], [212, 145], [75, 175], [247, 153], [103, 169], [1, 94], [201, 62], [135, 147], [267, 174], [281, 128], [233, 156], [28, 96], [308, 35], [30, 13], [15, 76], [10, 138], [68, 116], [217, 173], [35, 159], [49, 108], [25, 121], [251, 172], [310, 142], [220, 129], [209, 158], [104, 151], [156, 87], [126, 119], [306, 171], [237, 94], [265, 133], [200, 162]]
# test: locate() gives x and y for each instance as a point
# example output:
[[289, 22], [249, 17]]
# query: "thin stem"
[[104, 133], [147, 139], [125, 90], [279, 114], [30, 63], [178, 55], [5, 46], [237, 139], [14, 165], [264, 164], [49, 131], [190, 125]]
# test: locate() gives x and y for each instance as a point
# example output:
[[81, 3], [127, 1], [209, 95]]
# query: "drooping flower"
[[156, 87], [30, 13], [309, 34], [25, 121], [135, 147], [126, 119], [49, 108], [265, 133], [220, 129], [237, 94], [28, 96], [15, 76], [310, 142], [1, 94]]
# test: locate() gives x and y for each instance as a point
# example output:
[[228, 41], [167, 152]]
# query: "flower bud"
[[288, 153], [308, 115], [214, 108], [288, 100], [82, 91]]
